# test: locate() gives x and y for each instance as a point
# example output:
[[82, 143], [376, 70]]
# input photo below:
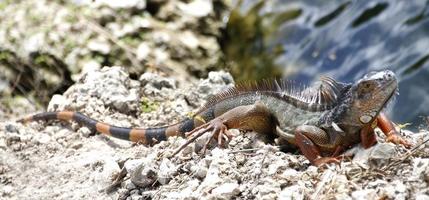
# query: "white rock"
[[166, 171], [269, 190], [34, 43], [140, 4], [381, 154], [364, 194], [396, 190], [226, 190], [90, 66], [160, 56], [420, 168], [422, 197], [216, 82], [292, 192], [197, 8], [102, 47], [144, 175], [187, 192], [131, 165], [136, 196], [111, 85], [156, 81], [290, 174], [42, 138], [57, 103], [143, 51], [189, 39], [199, 171]]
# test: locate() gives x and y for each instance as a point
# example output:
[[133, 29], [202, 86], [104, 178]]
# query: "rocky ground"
[[47, 44], [65, 161]]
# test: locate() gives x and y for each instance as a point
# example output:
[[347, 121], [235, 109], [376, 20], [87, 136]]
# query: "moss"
[[131, 40], [4, 55], [147, 105], [42, 59]]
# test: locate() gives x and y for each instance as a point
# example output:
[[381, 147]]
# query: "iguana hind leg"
[[309, 139], [255, 117]]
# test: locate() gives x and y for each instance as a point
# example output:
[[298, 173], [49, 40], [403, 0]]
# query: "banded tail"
[[140, 135]]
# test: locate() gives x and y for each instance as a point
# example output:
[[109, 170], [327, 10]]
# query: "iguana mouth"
[[394, 91]]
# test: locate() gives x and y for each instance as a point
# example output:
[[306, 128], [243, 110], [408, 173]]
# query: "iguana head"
[[369, 95]]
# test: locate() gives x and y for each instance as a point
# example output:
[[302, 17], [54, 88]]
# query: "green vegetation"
[[147, 105], [247, 42]]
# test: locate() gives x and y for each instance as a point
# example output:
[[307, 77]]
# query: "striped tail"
[[140, 135]]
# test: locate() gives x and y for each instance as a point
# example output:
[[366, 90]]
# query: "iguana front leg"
[[310, 139], [389, 130]]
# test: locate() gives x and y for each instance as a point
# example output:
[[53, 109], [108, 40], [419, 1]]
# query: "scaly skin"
[[321, 121]]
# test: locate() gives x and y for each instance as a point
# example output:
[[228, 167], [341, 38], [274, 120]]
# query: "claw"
[[397, 139], [325, 160], [219, 132]]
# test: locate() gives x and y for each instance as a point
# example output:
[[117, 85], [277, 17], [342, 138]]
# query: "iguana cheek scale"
[[322, 120]]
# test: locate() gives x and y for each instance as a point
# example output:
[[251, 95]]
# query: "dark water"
[[344, 39]]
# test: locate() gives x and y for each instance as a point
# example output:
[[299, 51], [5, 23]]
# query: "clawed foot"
[[325, 160], [395, 138], [218, 132]]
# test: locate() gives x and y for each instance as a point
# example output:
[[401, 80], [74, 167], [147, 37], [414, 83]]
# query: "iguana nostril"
[[387, 76]]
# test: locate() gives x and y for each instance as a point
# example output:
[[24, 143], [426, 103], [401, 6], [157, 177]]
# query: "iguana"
[[322, 121]]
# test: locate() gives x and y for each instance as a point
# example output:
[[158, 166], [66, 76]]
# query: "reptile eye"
[[368, 85]]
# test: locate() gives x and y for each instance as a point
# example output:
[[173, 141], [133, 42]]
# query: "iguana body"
[[320, 121]]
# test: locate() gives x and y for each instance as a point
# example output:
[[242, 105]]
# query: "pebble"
[[292, 192], [364, 194], [226, 191]]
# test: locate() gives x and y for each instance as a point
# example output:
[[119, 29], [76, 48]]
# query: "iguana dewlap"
[[322, 121]]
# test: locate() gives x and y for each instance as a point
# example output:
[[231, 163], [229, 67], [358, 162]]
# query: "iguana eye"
[[366, 86]]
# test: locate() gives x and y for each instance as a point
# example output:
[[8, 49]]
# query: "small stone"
[[136, 196], [197, 8], [129, 185], [290, 174], [292, 192], [199, 171], [381, 154], [90, 66], [216, 82], [144, 175], [77, 145], [269, 190], [11, 128], [7, 190], [364, 194], [166, 170], [98, 46], [132, 164], [189, 39], [156, 81], [395, 190], [85, 131], [143, 51], [226, 191], [42, 138], [422, 197], [420, 168]]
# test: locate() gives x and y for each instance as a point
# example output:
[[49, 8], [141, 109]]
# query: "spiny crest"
[[322, 96]]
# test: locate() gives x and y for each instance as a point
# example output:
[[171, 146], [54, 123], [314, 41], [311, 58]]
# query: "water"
[[345, 40]]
